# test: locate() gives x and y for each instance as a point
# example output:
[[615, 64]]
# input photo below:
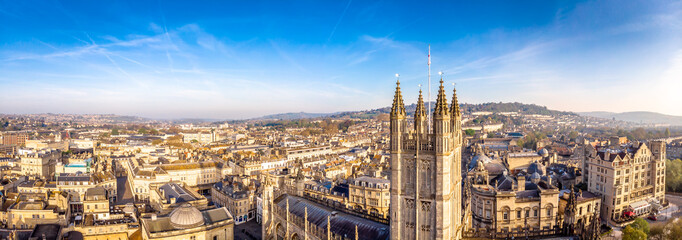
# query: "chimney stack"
[[521, 183]]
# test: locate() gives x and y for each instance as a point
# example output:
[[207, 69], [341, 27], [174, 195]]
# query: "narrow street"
[[124, 193]]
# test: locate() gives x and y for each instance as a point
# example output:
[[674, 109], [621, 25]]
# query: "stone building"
[[188, 222], [426, 195], [513, 205], [40, 164], [238, 195], [629, 177], [579, 210], [370, 195]]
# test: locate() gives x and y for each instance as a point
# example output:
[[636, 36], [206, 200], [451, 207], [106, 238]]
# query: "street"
[[248, 231], [671, 212]]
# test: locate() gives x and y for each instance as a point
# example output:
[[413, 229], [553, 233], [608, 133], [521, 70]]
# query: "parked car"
[[652, 217]]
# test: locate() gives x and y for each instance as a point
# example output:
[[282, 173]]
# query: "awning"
[[639, 205]]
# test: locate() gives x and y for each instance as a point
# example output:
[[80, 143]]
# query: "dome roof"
[[482, 158], [543, 152], [186, 216], [535, 176], [536, 167]]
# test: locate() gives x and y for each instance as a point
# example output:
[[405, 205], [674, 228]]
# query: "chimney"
[[521, 183]]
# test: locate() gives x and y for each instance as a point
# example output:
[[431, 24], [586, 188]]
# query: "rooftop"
[[341, 224]]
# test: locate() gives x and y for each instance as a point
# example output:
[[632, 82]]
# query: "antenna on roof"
[[428, 116]]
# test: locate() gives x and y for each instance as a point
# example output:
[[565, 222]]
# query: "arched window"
[[549, 210], [505, 213]]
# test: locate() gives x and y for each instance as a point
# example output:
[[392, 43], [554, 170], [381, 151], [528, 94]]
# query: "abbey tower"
[[426, 180]]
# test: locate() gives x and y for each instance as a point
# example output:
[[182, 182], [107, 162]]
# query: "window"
[[505, 216], [535, 212], [518, 213], [527, 213]]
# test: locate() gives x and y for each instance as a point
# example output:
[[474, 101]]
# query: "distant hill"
[[511, 107], [638, 117], [292, 116], [465, 107]]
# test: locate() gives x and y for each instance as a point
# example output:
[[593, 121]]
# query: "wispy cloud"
[[286, 56], [339, 21]]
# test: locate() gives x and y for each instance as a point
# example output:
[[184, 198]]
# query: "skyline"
[[241, 61]]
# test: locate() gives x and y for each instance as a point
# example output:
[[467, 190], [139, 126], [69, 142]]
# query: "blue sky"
[[234, 60]]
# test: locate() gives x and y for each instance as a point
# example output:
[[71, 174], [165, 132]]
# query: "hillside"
[[638, 117], [466, 108], [291, 116]]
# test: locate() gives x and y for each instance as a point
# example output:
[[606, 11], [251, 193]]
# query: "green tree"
[[641, 224], [114, 131], [675, 231], [470, 132], [491, 135], [194, 141], [673, 175], [630, 233], [142, 131], [573, 135], [667, 132], [154, 132], [656, 233]]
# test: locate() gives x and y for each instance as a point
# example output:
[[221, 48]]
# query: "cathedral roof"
[[342, 224]]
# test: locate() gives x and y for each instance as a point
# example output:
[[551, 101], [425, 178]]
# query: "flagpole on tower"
[[429, 101]]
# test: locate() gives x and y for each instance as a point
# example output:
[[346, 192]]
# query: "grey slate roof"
[[341, 223]]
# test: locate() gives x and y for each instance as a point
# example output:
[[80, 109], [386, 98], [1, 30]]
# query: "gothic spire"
[[441, 101], [398, 107], [455, 104], [420, 111]]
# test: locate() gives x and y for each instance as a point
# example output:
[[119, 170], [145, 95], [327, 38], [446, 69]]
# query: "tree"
[[157, 141], [630, 233], [491, 135], [154, 132], [142, 131], [673, 175], [675, 231], [667, 132], [641, 224], [470, 132], [114, 131], [383, 117], [573, 135], [656, 233]]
